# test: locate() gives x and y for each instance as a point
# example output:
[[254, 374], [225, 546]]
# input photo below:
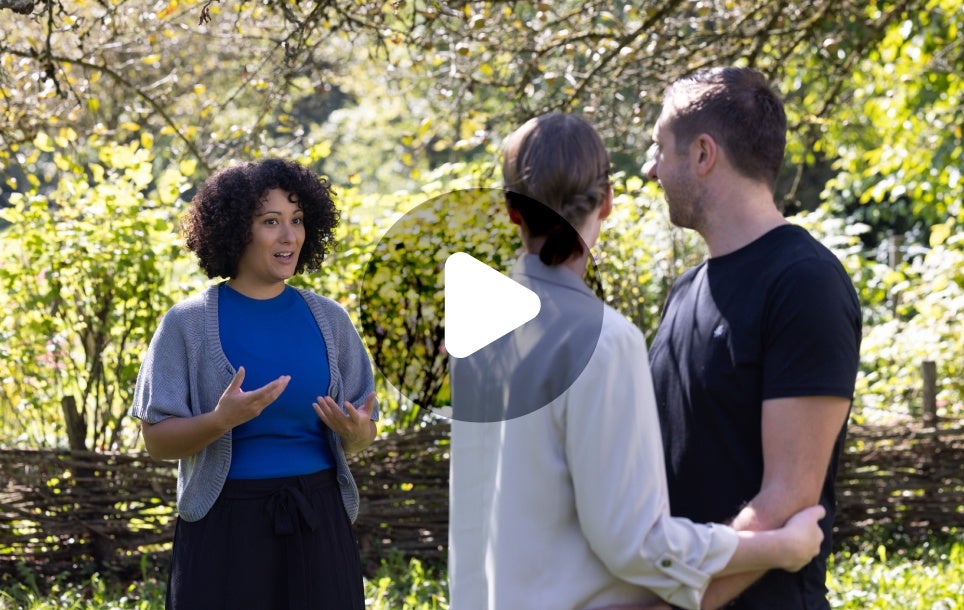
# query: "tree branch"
[[119, 79]]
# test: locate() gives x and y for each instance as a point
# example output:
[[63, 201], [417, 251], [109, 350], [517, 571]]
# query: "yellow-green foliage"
[[95, 259], [87, 267], [912, 312], [934, 580]]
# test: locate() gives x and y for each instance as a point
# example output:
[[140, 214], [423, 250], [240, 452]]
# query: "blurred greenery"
[[95, 262], [892, 573], [397, 102], [112, 113], [87, 270]]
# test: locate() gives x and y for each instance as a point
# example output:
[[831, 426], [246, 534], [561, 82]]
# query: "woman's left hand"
[[354, 426]]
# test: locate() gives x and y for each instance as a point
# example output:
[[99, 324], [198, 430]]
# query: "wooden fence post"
[[929, 397]]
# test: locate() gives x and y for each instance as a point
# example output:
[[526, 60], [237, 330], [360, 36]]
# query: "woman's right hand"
[[178, 437], [236, 406], [803, 536]]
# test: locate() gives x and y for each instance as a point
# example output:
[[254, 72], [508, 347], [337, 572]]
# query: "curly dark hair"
[[217, 227]]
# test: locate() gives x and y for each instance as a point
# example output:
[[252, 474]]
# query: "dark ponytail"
[[555, 171], [562, 239]]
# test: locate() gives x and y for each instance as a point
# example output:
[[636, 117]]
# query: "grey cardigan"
[[185, 372]]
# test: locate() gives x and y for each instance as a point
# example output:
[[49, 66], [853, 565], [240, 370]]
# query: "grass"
[[398, 585], [928, 575], [910, 574]]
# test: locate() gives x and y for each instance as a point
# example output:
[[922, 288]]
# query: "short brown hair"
[[738, 109]]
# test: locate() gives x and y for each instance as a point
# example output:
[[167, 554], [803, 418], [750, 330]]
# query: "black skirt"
[[269, 544]]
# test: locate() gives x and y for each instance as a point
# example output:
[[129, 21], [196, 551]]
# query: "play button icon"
[[481, 305], [461, 321]]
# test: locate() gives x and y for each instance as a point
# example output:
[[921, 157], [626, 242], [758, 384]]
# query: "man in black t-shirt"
[[756, 354]]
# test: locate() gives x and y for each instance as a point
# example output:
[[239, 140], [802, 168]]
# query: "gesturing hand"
[[237, 406], [354, 426]]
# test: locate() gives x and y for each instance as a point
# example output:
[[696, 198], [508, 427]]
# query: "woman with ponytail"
[[558, 487]]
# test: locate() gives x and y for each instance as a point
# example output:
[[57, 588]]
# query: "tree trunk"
[[76, 426]]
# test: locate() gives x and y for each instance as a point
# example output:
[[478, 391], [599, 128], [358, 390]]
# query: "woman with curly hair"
[[252, 386]]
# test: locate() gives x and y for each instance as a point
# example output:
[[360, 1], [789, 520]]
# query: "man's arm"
[[798, 439]]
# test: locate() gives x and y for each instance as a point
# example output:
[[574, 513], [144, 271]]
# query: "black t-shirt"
[[778, 318]]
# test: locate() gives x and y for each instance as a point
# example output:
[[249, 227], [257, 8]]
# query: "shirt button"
[[666, 563]]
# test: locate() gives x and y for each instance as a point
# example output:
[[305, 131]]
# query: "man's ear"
[[515, 216], [607, 205], [705, 152]]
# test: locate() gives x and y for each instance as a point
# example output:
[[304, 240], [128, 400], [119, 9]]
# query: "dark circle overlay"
[[403, 313]]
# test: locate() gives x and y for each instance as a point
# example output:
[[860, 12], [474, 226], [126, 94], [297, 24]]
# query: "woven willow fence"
[[908, 476], [69, 511]]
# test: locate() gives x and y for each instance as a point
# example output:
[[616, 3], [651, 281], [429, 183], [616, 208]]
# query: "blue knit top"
[[270, 338]]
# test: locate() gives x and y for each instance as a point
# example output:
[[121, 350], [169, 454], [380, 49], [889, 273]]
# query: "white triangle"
[[482, 305]]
